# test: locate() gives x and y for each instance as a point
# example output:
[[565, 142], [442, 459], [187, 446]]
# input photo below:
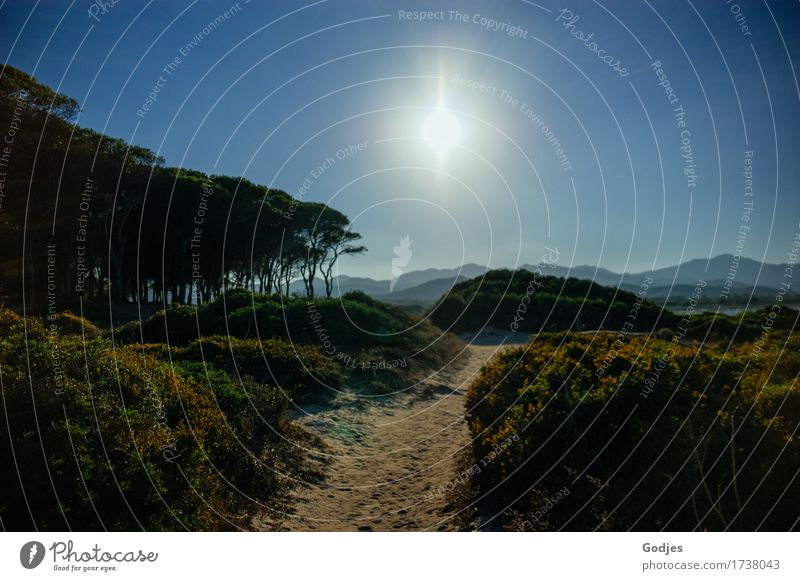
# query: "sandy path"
[[389, 455]]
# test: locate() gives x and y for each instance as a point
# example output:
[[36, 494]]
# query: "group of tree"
[[82, 213]]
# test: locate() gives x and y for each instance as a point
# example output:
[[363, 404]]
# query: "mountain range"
[[679, 281]]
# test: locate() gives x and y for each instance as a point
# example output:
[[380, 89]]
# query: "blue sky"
[[275, 89]]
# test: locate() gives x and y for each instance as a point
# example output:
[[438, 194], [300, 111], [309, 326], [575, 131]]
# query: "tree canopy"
[[87, 214]]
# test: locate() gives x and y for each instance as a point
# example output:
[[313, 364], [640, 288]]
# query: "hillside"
[[691, 436], [425, 293], [117, 437], [676, 282], [522, 300], [353, 340], [191, 396]]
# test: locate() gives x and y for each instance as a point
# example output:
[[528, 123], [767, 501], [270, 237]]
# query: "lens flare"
[[441, 130]]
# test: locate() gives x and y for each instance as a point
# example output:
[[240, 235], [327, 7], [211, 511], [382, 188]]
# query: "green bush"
[[520, 300], [298, 345], [100, 437], [353, 321], [648, 435], [297, 371]]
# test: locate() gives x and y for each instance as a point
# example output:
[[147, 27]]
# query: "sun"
[[441, 130]]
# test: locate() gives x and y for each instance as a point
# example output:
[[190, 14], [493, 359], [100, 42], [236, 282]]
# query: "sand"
[[385, 459]]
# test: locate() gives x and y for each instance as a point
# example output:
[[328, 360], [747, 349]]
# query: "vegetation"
[[180, 420], [183, 429], [99, 437], [529, 302], [746, 326], [648, 435], [521, 300], [306, 347], [100, 217], [675, 421]]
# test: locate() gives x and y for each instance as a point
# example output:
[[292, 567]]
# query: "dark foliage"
[[668, 435]]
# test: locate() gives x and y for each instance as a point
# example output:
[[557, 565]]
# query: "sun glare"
[[441, 130]]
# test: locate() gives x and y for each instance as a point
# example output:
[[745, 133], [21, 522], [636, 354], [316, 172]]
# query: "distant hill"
[[418, 277], [415, 286], [677, 281], [748, 274], [425, 293]]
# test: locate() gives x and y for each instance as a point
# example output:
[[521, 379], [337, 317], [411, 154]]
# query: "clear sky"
[[556, 138]]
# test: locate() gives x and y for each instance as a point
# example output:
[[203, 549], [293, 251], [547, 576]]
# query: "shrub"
[[297, 345], [114, 438], [648, 435], [69, 323], [298, 371], [526, 301]]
